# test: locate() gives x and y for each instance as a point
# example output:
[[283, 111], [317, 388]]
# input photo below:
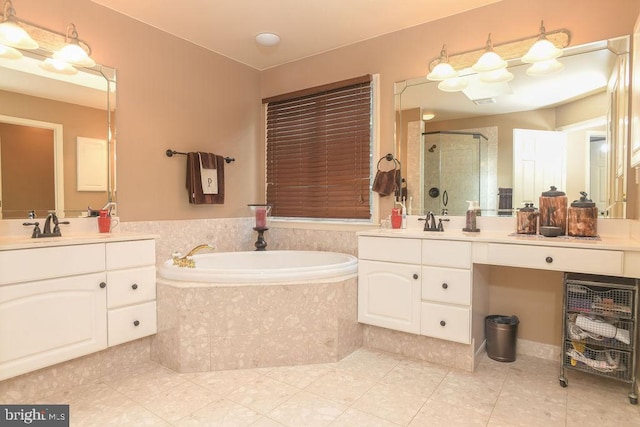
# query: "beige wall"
[[76, 121], [173, 94], [406, 54]]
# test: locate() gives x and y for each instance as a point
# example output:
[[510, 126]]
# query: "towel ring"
[[389, 157]]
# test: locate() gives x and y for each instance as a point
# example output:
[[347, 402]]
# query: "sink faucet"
[[430, 222], [47, 231]]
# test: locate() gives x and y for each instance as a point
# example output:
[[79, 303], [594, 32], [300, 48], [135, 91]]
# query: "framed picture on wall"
[[635, 97]]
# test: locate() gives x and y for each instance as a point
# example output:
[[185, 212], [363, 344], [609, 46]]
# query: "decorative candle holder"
[[260, 212]]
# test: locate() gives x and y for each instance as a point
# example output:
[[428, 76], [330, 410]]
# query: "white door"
[[538, 163], [598, 169]]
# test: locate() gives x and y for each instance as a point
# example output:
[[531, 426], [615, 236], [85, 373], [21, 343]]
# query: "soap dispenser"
[[470, 218]]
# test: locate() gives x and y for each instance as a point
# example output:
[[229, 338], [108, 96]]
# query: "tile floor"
[[368, 388]]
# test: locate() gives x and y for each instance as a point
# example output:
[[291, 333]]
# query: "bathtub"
[[254, 309], [253, 267]]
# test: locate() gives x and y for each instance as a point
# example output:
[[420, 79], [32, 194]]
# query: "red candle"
[[261, 217]]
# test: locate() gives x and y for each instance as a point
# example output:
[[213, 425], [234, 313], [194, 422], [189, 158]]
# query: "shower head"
[[433, 147]]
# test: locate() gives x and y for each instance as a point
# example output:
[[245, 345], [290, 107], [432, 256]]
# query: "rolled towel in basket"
[[600, 327]]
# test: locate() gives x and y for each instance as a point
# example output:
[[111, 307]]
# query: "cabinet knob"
[[549, 260], [103, 285], [443, 323], [445, 286], [415, 276], [136, 322], [134, 286]]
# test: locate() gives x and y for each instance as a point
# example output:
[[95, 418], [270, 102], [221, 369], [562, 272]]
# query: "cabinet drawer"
[[445, 322], [137, 253], [405, 251], [131, 286], [130, 323], [24, 265], [448, 285], [444, 253], [560, 259]]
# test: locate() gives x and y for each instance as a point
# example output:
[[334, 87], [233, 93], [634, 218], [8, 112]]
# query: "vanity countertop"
[[496, 230], [25, 242]]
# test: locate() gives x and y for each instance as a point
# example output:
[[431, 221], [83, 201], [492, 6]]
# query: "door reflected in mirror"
[[66, 108], [584, 105]]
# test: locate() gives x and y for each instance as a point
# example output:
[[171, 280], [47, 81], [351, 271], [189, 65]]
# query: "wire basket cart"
[[600, 328]]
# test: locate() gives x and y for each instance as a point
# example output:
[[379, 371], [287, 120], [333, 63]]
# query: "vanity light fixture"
[[8, 52], [489, 64], [11, 34], [489, 61], [58, 66], [443, 70], [72, 53], [542, 50]]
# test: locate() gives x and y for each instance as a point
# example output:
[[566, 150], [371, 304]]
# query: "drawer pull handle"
[[443, 323], [549, 260], [134, 286], [445, 286], [136, 322], [415, 276], [103, 285]]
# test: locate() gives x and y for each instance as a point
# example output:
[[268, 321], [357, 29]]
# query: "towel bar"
[[170, 153]]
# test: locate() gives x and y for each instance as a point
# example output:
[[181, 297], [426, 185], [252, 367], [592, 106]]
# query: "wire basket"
[[601, 301], [599, 331], [609, 362]]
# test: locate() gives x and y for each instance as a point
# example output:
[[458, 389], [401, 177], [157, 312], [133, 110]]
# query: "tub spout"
[[187, 260]]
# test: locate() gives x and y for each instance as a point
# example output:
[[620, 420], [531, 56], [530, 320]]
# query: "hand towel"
[[194, 178], [208, 178], [386, 182]]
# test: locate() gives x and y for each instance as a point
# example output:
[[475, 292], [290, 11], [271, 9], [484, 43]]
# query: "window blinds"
[[319, 151]]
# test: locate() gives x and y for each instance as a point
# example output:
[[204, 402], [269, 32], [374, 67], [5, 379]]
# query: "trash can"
[[501, 333]]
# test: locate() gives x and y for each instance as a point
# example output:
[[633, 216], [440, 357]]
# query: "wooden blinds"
[[318, 151]]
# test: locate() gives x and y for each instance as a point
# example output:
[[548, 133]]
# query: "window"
[[319, 151]]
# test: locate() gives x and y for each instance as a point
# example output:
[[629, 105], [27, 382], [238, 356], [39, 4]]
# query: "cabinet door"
[[389, 295], [46, 322]]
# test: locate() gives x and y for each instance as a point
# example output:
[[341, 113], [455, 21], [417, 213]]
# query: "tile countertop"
[[613, 234]]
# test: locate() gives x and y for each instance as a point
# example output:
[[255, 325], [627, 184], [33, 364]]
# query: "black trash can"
[[501, 333]]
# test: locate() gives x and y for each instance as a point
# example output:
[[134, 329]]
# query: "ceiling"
[[306, 27]]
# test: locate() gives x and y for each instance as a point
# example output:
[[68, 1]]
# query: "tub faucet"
[[187, 260]]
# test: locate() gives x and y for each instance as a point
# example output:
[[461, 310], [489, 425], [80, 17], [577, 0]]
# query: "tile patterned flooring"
[[368, 388]]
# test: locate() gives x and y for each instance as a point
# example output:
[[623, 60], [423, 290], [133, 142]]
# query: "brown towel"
[[194, 183], [386, 182]]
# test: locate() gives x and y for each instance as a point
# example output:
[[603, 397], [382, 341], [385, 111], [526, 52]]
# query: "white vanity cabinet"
[[389, 283], [43, 322], [445, 310], [62, 301], [131, 290]]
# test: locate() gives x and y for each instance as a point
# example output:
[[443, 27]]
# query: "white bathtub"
[[252, 267]]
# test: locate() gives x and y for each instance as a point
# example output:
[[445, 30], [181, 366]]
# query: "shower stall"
[[456, 168]]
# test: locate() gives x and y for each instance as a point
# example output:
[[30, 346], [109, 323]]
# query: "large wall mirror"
[[57, 139], [503, 144]]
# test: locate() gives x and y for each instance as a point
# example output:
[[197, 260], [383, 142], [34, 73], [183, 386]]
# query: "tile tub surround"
[[210, 328], [237, 234]]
